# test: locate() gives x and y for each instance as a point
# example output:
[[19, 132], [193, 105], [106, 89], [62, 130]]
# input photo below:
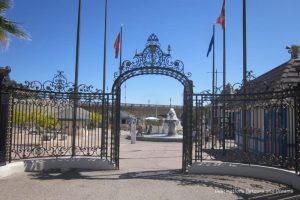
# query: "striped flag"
[[117, 45], [221, 18]]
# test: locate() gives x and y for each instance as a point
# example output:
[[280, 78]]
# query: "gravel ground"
[[148, 170]]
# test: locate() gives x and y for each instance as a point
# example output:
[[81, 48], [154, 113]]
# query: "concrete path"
[[148, 170]]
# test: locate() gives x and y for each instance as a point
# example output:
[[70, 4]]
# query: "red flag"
[[117, 45], [221, 18]]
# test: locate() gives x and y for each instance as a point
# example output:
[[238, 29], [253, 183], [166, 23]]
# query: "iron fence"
[[41, 118], [247, 125], [268, 136]]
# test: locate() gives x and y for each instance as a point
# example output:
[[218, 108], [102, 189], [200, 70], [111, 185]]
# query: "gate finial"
[[153, 40]]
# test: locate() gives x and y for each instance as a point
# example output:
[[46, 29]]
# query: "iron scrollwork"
[[153, 57], [60, 84]]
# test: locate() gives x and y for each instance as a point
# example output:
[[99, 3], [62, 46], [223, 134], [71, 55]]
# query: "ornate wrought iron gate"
[[153, 61], [50, 120], [271, 133]]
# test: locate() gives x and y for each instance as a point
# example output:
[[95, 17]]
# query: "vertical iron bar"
[[190, 122], [80, 135], [98, 129], [117, 125], [20, 126], [297, 131], [197, 131], [201, 125], [276, 130], [112, 140], [224, 123], [9, 125], [13, 120], [5, 118], [184, 140], [25, 127], [3, 133], [58, 125], [107, 123]]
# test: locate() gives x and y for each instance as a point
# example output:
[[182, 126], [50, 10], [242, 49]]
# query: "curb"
[[247, 170], [63, 164]]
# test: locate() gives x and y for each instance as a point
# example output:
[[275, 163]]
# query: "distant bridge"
[[146, 110]]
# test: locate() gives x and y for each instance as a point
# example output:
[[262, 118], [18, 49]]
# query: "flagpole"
[[103, 150], [213, 89], [213, 64], [104, 50], [224, 74], [244, 71], [120, 64], [244, 43], [76, 79], [121, 41]]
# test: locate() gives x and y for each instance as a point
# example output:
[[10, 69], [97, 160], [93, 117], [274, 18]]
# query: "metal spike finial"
[[169, 49]]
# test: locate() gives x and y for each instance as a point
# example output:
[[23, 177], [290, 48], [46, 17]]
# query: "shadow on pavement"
[[221, 184]]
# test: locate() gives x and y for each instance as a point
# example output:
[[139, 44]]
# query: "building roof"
[[285, 75]]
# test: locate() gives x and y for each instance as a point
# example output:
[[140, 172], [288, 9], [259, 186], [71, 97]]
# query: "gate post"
[[187, 146], [297, 131], [117, 125], [4, 72]]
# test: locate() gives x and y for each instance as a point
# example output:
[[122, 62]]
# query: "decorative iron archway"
[[153, 61]]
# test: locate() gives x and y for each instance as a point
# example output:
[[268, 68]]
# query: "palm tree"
[[8, 27]]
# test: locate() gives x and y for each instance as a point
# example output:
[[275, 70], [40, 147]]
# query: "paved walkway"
[[148, 170]]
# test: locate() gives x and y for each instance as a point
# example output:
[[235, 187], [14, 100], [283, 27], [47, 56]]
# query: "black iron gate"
[[153, 61], [50, 120], [268, 136]]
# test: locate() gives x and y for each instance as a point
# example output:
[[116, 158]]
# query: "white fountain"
[[172, 122], [171, 130]]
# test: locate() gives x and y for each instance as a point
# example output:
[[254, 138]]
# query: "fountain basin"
[[158, 138]]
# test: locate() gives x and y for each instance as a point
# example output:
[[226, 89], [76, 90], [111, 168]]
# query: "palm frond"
[[5, 5], [12, 28], [8, 27]]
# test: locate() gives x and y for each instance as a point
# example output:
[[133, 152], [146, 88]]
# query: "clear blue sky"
[[184, 24]]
